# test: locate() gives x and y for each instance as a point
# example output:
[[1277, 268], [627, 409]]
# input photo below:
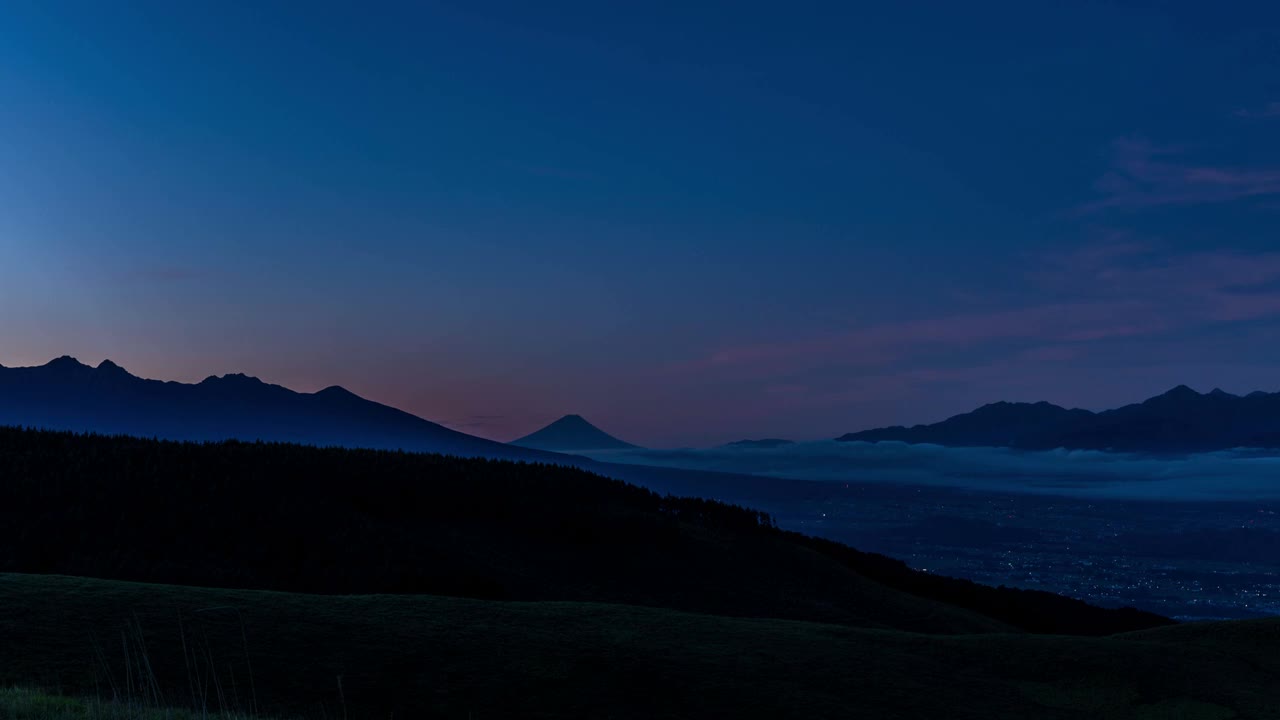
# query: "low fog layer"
[[1227, 475]]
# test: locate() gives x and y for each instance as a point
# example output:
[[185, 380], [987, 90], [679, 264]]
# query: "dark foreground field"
[[25, 703], [383, 584], [429, 656]]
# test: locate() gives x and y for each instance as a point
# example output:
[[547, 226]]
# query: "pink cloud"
[[1115, 292], [881, 345]]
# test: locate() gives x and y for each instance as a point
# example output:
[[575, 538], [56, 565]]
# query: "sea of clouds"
[[1240, 474]]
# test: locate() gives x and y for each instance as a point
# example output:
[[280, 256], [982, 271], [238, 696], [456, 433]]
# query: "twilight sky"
[[690, 222]]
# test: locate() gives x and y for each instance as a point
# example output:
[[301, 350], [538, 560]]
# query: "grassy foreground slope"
[[335, 521], [423, 656], [19, 703]]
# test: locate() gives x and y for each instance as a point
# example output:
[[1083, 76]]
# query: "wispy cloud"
[[1147, 175], [1270, 110], [883, 344], [1110, 292]]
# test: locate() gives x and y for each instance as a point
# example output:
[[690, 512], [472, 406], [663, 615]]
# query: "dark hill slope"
[[296, 518], [570, 433], [427, 656]]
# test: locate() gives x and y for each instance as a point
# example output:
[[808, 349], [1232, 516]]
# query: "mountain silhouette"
[[571, 433], [1180, 420], [66, 394]]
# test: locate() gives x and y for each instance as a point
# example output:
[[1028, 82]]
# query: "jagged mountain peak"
[[232, 379], [65, 362], [1179, 392], [108, 367]]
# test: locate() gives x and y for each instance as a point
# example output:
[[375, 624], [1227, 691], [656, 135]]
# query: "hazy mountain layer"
[[1181, 420]]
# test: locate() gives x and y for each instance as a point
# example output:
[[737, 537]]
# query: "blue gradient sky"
[[690, 222]]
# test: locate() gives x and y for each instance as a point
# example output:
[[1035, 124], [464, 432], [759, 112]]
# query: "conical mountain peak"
[[572, 433], [336, 391]]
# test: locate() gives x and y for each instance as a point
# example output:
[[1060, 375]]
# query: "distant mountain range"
[[1181, 420], [66, 394], [761, 444], [572, 433]]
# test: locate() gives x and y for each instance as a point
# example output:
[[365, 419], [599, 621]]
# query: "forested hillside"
[[288, 517]]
